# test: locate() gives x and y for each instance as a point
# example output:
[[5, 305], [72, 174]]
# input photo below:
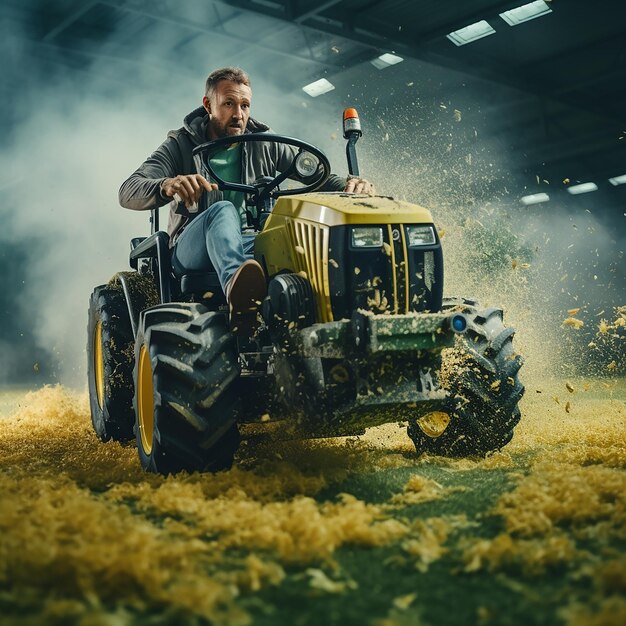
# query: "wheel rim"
[[434, 424], [145, 401], [98, 364]]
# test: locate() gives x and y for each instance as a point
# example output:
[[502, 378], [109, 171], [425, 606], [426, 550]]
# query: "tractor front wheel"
[[186, 402], [481, 375]]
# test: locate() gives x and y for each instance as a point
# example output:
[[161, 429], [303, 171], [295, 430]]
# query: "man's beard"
[[227, 130]]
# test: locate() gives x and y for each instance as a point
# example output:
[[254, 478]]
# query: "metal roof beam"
[[80, 60], [68, 21], [301, 16], [178, 21]]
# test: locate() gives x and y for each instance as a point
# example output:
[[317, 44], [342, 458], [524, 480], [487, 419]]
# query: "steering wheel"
[[308, 162]]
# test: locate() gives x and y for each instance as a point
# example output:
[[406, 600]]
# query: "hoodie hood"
[[195, 124]]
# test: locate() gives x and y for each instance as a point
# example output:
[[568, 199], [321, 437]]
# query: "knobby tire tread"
[[489, 384], [194, 435]]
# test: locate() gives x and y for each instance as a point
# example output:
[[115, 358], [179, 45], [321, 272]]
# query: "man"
[[213, 238]]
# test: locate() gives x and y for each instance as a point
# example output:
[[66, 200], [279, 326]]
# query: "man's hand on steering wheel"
[[188, 188], [359, 185]]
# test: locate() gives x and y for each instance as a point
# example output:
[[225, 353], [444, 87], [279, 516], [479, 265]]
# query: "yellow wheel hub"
[[98, 364], [434, 424], [145, 400]]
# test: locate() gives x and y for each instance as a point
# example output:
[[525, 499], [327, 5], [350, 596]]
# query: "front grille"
[[310, 242], [391, 279]]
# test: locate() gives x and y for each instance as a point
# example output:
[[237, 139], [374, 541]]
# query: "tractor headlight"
[[421, 235], [367, 237]]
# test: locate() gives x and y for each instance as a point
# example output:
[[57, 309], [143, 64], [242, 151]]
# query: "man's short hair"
[[236, 74]]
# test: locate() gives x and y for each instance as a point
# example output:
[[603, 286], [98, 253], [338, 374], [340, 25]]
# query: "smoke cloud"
[[73, 136], [78, 136]]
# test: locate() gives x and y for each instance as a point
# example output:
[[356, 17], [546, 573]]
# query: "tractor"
[[355, 331]]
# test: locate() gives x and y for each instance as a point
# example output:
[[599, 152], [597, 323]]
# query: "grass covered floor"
[[355, 531]]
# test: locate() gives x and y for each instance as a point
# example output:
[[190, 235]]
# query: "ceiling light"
[[385, 60], [526, 12], [618, 180], [471, 33], [318, 87], [535, 198], [582, 188]]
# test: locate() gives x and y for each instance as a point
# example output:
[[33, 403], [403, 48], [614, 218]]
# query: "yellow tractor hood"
[[338, 208]]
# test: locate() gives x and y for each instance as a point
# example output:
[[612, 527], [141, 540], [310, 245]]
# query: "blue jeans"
[[213, 242]]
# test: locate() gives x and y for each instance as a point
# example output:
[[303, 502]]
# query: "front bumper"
[[367, 333]]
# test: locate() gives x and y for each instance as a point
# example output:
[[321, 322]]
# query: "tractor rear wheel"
[[110, 365], [481, 375], [186, 402]]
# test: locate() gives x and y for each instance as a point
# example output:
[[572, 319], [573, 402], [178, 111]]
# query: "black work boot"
[[245, 292]]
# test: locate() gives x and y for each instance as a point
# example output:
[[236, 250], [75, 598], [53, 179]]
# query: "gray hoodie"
[[142, 190]]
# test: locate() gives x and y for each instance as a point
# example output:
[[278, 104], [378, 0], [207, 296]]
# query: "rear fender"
[[140, 292], [155, 247]]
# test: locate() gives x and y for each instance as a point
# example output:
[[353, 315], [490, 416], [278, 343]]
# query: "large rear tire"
[[110, 365], [481, 376], [186, 403]]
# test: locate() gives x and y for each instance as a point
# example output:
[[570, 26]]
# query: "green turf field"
[[356, 531]]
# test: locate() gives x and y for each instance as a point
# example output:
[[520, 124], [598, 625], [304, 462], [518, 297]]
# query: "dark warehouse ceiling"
[[567, 69], [557, 84]]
